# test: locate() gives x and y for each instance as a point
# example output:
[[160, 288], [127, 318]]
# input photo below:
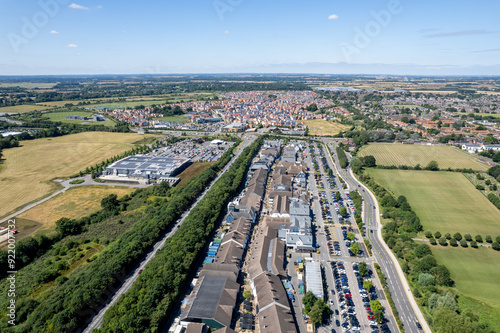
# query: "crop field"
[[74, 203], [61, 116], [22, 108], [26, 171], [411, 155], [475, 272], [324, 127], [444, 201]]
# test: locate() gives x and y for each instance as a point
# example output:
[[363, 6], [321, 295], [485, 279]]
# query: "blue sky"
[[232, 36]]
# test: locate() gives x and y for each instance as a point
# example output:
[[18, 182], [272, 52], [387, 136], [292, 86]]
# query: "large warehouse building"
[[147, 167]]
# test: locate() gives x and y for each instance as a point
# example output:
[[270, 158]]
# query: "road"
[[398, 286], [97, 318]]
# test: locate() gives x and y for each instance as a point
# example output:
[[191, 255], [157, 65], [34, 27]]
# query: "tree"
[[422, 250], [488, 239], [110, 202], [495, 246], [479, 239], [445, 320], [468, 237], [447, 236], [463, 243], [363, 269], [65, 227], [473, 244], [350, 235], [337, 196], [369, 161], [453, 242], [497, 239], [388, 201], [457, 236], [308, 301], [425, 279], [433, 241], [442, 241], [428, 234], [442, 274], [247, 294], [432, 166], [355, 249], [437, 235], [343, 212], [368, 285]]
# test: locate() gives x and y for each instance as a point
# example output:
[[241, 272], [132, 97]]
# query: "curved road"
[[97, 318], [400, 291]]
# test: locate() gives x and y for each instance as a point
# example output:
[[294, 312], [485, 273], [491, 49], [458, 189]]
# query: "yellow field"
[[411, 155], [22, 108], [74, 203], [323, 127], [27, 171]]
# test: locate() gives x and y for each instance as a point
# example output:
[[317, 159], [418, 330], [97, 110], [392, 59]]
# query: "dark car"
[[418, 325], [337, 322]]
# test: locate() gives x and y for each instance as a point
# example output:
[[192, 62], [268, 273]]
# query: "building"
[[98, 117], [234, 127], [147, 167], [314, 281]]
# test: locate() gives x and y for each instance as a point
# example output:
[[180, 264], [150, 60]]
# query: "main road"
[[97, 318], [406, 306]]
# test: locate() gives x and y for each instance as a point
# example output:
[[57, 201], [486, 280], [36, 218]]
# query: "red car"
[[140, 271], [371, 317], [348, 296], [368, 308]]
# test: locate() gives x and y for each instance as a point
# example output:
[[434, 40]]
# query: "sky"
[[403, 37]]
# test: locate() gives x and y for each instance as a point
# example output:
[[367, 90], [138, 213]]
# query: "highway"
[[398, 286], [96, 320]]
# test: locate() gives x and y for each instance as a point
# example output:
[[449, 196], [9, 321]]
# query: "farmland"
[[475, 272], [22, 108], [74, 203], [27, 171], [61, 116], [444, 201], [324, 127], [174, 118], [411, 155]]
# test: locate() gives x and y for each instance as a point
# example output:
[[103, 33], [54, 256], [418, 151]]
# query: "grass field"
[[496, 115], [174, 118], [131, 104], [475, 271], [27, 170], [74, 203], [22, 108], [444, 201], [28, 85], [192, 171], [411, 155], [61, 116], [402, 105], [323, 127]]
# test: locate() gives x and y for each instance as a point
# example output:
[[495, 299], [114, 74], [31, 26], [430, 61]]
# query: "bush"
[[457, 236], [453, 242], [437, 235], [479, 239], [480, 187], [495, 246], [473, 244], [468, 237], [488, 239], [428, 234], [442, 241], [433, 241], [463, 243]]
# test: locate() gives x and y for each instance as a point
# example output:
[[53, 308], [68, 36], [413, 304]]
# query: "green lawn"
[[475, 272], [173, 118], [411, 155], [444, 201], [61, 116], [402, 105], [132, 104]]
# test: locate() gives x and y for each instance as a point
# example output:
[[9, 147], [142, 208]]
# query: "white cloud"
[[75, 6], [333, 17], [54, 32], [100, 6], [71, 45], [226, 32]]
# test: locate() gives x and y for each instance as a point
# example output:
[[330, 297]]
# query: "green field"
[[475, 272], [132, 104], [173, 118], [61, 116], [22, 108], [411, 155], [496, 115], [324, 127], [444, 201], [402, 105]]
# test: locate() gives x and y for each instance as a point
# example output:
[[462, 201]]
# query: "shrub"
[[488, 239], [433, 241], [453, 242], [473, 244], [457, 236], [496, 246], [447, 236], [479, 239], [463, 243], [437, 235], [442, 241], [428, 234], [468, 237], [480, 187]]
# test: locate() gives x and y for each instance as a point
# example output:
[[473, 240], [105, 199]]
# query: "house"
[[471, 148]]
